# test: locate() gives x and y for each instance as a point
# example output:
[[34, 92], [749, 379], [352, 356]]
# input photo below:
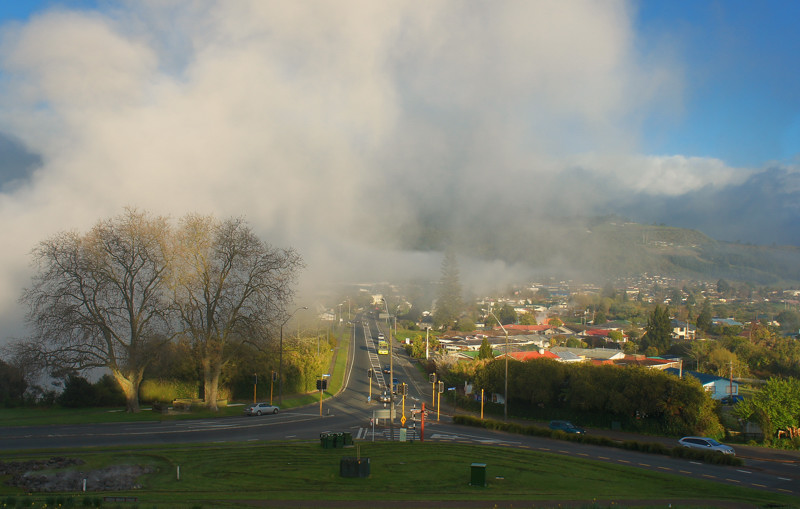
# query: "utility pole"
[[730, 389], [391, 385]]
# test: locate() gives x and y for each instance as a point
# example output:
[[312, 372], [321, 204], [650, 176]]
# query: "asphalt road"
[[354, 407]]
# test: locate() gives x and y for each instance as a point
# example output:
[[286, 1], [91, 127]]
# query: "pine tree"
[[704, 318], [448, 304], [485, 351], [659, 330]]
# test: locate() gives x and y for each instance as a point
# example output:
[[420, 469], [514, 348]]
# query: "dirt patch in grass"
[[51, 475]]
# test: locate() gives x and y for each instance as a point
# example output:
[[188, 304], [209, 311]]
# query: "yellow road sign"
[[403, 421]]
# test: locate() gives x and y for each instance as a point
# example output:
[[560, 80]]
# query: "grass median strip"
[[225, 475]]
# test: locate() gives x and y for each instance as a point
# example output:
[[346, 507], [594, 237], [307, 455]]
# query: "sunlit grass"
[[217, 475]]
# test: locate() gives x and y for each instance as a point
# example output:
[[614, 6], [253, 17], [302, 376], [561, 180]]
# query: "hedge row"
[[631, 445]]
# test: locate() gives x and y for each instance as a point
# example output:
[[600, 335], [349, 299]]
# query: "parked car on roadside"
[[261, 409], [731, 400], [566, 427], [706, 444]]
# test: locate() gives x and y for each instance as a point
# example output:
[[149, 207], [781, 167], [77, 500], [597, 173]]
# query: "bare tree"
[[230, 287], [98, 300]]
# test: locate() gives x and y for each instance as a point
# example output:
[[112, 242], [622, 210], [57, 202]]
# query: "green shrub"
[[167, 390]]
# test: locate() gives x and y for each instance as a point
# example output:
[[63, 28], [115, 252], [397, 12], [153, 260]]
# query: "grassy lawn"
[[58, 415], [228, 475]]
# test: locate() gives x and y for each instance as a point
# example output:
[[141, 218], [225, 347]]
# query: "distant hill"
[[602, 248]]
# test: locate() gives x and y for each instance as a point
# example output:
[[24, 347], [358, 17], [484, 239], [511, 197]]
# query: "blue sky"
[[742, 95], [741, 99]]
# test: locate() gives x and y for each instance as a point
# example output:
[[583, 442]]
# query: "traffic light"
[[370, 373], [274, 376], [319, 385], [432, 378], [441, 387], [324, 384]]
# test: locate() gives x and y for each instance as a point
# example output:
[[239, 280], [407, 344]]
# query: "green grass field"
[[235, 475], [38, 416]]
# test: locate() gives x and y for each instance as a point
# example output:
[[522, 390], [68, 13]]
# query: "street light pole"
[[505, 394], [280, 356], [427, 331]]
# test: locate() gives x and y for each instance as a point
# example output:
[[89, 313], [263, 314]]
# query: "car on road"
[[380, 336], [706, 444], [384, 397], [387, 370], [566, 427], [261, 409]]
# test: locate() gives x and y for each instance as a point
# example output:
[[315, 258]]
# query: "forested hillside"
[[608, 247]]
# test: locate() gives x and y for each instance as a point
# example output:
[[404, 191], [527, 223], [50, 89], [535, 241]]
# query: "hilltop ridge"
[[601, 248]]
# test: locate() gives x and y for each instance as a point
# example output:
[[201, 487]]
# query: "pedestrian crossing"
[[387, 434]]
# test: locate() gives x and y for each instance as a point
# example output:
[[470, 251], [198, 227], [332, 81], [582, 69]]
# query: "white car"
[[706, 444], [260, 409]]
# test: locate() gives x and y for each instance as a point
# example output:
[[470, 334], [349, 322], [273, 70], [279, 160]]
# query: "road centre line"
[[733, 480]]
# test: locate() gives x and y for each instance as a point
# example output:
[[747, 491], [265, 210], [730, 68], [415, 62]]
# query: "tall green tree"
[[600, 318], [775, 406], [485, 351], [448, 303], [704, 318], [658, 329], [507, 315]]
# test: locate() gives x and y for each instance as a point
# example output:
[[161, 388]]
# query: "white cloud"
[[326, 124], [661, 175]]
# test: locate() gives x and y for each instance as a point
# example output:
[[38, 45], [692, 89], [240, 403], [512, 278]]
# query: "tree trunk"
[[211, 375], [130, 387]]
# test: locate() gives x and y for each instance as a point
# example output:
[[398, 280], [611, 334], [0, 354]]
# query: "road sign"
[[403, 421]]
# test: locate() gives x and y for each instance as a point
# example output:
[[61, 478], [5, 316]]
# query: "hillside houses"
[[682, 331]]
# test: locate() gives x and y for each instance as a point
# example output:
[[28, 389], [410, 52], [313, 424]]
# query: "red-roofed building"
[[526, 356], [526, 328]]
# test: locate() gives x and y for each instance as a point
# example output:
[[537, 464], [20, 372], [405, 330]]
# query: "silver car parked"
[[260, 409], [706, 444]]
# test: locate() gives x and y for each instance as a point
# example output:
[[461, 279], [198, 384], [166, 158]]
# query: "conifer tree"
[[448, 303]]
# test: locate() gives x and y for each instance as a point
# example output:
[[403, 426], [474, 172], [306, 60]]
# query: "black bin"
[[354, 467]]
